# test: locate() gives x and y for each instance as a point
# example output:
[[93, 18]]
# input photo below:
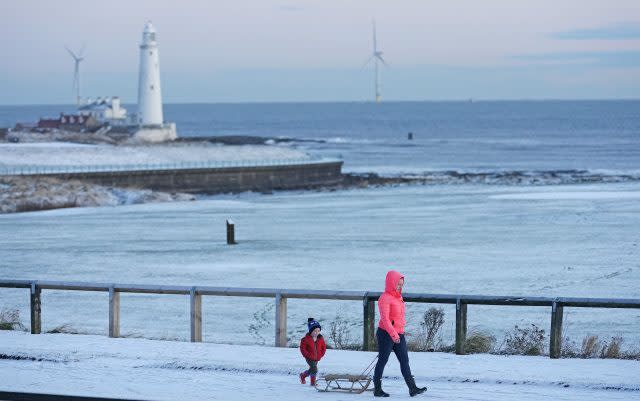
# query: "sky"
[[312, 50]]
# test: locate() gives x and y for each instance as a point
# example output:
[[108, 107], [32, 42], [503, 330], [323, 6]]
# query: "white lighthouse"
[[149, 93], [150, 118]]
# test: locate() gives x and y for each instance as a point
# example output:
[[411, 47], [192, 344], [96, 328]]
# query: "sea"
[[522, 198], [470, 136]]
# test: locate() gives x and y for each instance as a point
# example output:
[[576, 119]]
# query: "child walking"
[[312, 347]]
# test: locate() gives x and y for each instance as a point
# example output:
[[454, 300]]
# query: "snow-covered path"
[[167, 370]]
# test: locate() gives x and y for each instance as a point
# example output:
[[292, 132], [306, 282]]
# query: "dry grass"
[[593, 347], [611, 350], [63, 329], [479, 342], [525, 341], [10, 320], [427, 337], [339, 333], [590, 347]]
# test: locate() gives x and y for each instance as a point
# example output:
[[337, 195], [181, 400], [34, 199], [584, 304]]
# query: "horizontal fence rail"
[[220, 164], [281, 295]]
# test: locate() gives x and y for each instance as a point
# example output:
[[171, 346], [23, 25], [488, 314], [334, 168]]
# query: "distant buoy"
[[410, 136]]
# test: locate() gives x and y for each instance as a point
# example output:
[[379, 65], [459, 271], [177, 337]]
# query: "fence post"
[[281, 320], [461, 326], [368, 323], [36, 309], [114, 312], [555, 337], [196, 316]]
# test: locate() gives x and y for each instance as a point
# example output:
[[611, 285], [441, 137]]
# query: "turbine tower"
[[376, 56], [77, 58]]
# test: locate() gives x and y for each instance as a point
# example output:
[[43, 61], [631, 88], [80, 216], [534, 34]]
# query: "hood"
[[391, 282]]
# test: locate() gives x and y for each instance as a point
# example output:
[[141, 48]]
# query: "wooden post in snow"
[[555, 337], [114, 313], [281, 321], [368, 322], [231, 233], [461, 326], [36, 309]]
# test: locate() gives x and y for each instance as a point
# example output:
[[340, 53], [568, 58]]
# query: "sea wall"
[[219, 179]]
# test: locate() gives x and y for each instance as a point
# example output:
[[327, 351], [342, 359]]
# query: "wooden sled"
[[354, 384]]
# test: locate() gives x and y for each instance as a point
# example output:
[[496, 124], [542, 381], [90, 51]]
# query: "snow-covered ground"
[[166, 370], [471, 239], [69, 154]]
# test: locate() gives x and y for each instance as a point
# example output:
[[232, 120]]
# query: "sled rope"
[[369, 368]]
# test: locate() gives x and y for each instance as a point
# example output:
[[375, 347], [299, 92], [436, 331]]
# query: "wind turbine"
[[376, 56], [76, 71]]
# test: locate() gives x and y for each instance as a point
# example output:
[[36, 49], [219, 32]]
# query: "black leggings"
[[385, 346], [313, 367]]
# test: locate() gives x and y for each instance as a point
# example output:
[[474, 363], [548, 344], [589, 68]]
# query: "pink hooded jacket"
[[391, 307]]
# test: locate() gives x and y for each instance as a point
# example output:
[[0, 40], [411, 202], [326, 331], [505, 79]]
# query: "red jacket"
[[313, 350]]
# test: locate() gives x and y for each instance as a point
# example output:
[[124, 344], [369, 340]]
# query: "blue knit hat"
[[313, 324]]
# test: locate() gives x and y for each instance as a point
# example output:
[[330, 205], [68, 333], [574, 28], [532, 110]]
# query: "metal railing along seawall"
[[99, 168], [281, 295]]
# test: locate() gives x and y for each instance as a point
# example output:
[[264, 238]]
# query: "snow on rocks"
[[22, 194]]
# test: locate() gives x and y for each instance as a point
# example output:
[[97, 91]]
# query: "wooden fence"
[[281, 295]]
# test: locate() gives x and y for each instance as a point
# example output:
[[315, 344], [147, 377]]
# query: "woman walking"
[[390, 334]]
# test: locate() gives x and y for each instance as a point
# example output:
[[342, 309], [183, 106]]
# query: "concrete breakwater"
[[214, 180]]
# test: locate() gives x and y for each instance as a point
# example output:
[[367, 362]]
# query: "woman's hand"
[[396, 340]]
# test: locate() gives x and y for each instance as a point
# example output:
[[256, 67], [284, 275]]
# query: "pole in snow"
[[231, 235]]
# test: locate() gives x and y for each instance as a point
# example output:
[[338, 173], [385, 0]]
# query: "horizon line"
[[458, 100]]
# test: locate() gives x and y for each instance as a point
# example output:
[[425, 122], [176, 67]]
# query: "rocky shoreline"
[[32, 193], [29, 193], [26, 194]]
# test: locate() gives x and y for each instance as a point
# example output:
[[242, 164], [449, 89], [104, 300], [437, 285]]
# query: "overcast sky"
[[308, 50]]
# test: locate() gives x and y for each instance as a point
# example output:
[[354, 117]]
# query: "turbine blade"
[[381, 59], [366, 63], [71, 53], [375, 42]]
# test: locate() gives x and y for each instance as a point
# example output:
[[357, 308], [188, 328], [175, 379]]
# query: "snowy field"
[[578, 240], [163, 370]]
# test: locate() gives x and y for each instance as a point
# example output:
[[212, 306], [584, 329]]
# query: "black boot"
[[413, 389], [377, 390]]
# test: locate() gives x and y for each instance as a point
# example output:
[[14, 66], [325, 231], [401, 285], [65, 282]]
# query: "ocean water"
[[536, 136], [531, 237]]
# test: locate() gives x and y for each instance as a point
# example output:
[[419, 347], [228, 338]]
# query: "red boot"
[[303, 376], [313, 380]]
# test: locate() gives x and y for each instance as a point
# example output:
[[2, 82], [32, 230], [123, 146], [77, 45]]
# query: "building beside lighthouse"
[[149, 120]]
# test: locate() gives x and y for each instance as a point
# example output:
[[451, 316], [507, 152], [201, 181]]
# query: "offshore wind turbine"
[[376, 56], [77, 58]]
